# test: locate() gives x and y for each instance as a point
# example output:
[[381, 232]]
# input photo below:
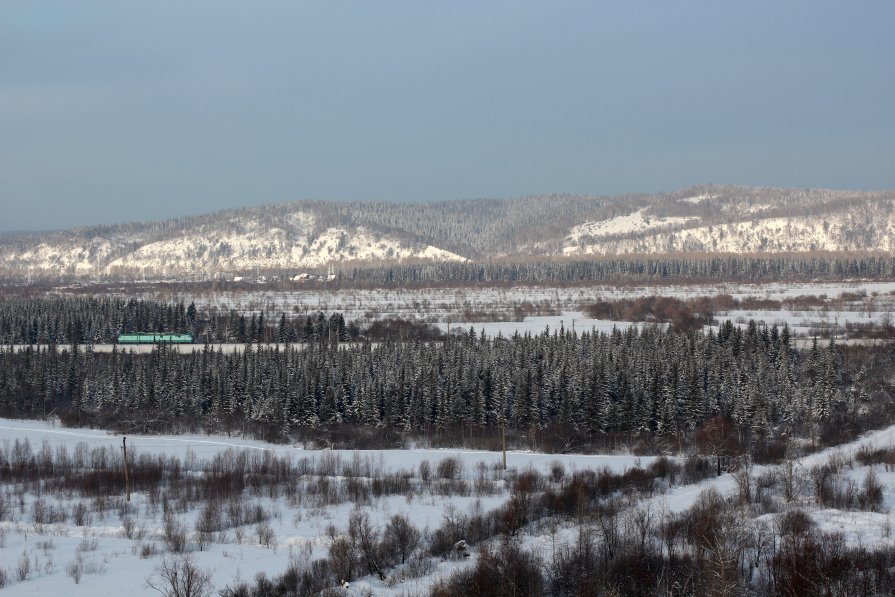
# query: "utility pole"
[[127, 485], [503, 436]]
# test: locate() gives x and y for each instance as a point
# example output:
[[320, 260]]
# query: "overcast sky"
[[122, 111]]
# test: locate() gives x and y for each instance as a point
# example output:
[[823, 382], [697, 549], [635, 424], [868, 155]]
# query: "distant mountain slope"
[[312, 234]]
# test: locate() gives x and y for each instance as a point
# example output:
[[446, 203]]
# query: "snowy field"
[[446, 304], [120, 548]]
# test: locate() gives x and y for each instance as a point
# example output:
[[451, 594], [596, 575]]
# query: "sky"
[[130, 111]]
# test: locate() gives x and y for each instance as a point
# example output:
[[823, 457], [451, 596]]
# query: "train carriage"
[[149, 338]]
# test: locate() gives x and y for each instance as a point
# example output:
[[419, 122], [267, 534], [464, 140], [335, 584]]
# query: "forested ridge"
[[313, 234], [628, 269], [588, 388]]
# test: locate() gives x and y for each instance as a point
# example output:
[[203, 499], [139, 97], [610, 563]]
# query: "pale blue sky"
[[120, 111]]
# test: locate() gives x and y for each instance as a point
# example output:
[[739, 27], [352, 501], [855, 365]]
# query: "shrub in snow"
[[80, 514], [75, 568], [872, 496], [266, 535], [23, 569], [450, 468], [366, 537], [91, 544], [208, 523], [175, 533]]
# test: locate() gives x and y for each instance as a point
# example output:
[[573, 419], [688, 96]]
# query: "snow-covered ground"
[[697, 199], [449, 307], [114, 565], [188, 447], [869, 529]]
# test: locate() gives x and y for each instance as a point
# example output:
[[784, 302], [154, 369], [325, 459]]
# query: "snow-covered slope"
[[838, 231], [638, 222], [273, 248], [238, 244]]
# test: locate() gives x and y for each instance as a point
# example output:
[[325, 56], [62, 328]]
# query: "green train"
[[149, 338]]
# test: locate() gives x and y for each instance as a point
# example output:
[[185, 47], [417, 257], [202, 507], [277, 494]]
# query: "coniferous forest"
[[557, 390], [630, 270], [92, 320]]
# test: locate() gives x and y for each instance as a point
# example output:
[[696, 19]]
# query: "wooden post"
[[503, 436], [127, 485]]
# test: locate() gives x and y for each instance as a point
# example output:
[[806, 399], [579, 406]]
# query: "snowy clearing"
[[639, 221]]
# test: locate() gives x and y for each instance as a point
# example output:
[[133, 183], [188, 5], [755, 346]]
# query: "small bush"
[[696, 469], [795, 523], [88, 544], [175, 533], [81, 515], [265, 534], [75, 568], [450, 469], [557, 471], [5, 508], [147, 550], [23, 568]]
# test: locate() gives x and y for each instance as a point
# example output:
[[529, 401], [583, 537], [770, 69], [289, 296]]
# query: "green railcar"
[[145, 338]]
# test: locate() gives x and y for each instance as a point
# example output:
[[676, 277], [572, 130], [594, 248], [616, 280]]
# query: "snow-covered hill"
[[238, 244], [870, 227], [306, 234]]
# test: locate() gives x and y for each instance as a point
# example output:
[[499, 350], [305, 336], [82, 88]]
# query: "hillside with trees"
[[314, 234]]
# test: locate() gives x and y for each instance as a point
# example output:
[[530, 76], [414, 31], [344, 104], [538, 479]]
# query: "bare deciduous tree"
[[718, 438], [342, 558], [400, 537], [180, 577], [366, 537]]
